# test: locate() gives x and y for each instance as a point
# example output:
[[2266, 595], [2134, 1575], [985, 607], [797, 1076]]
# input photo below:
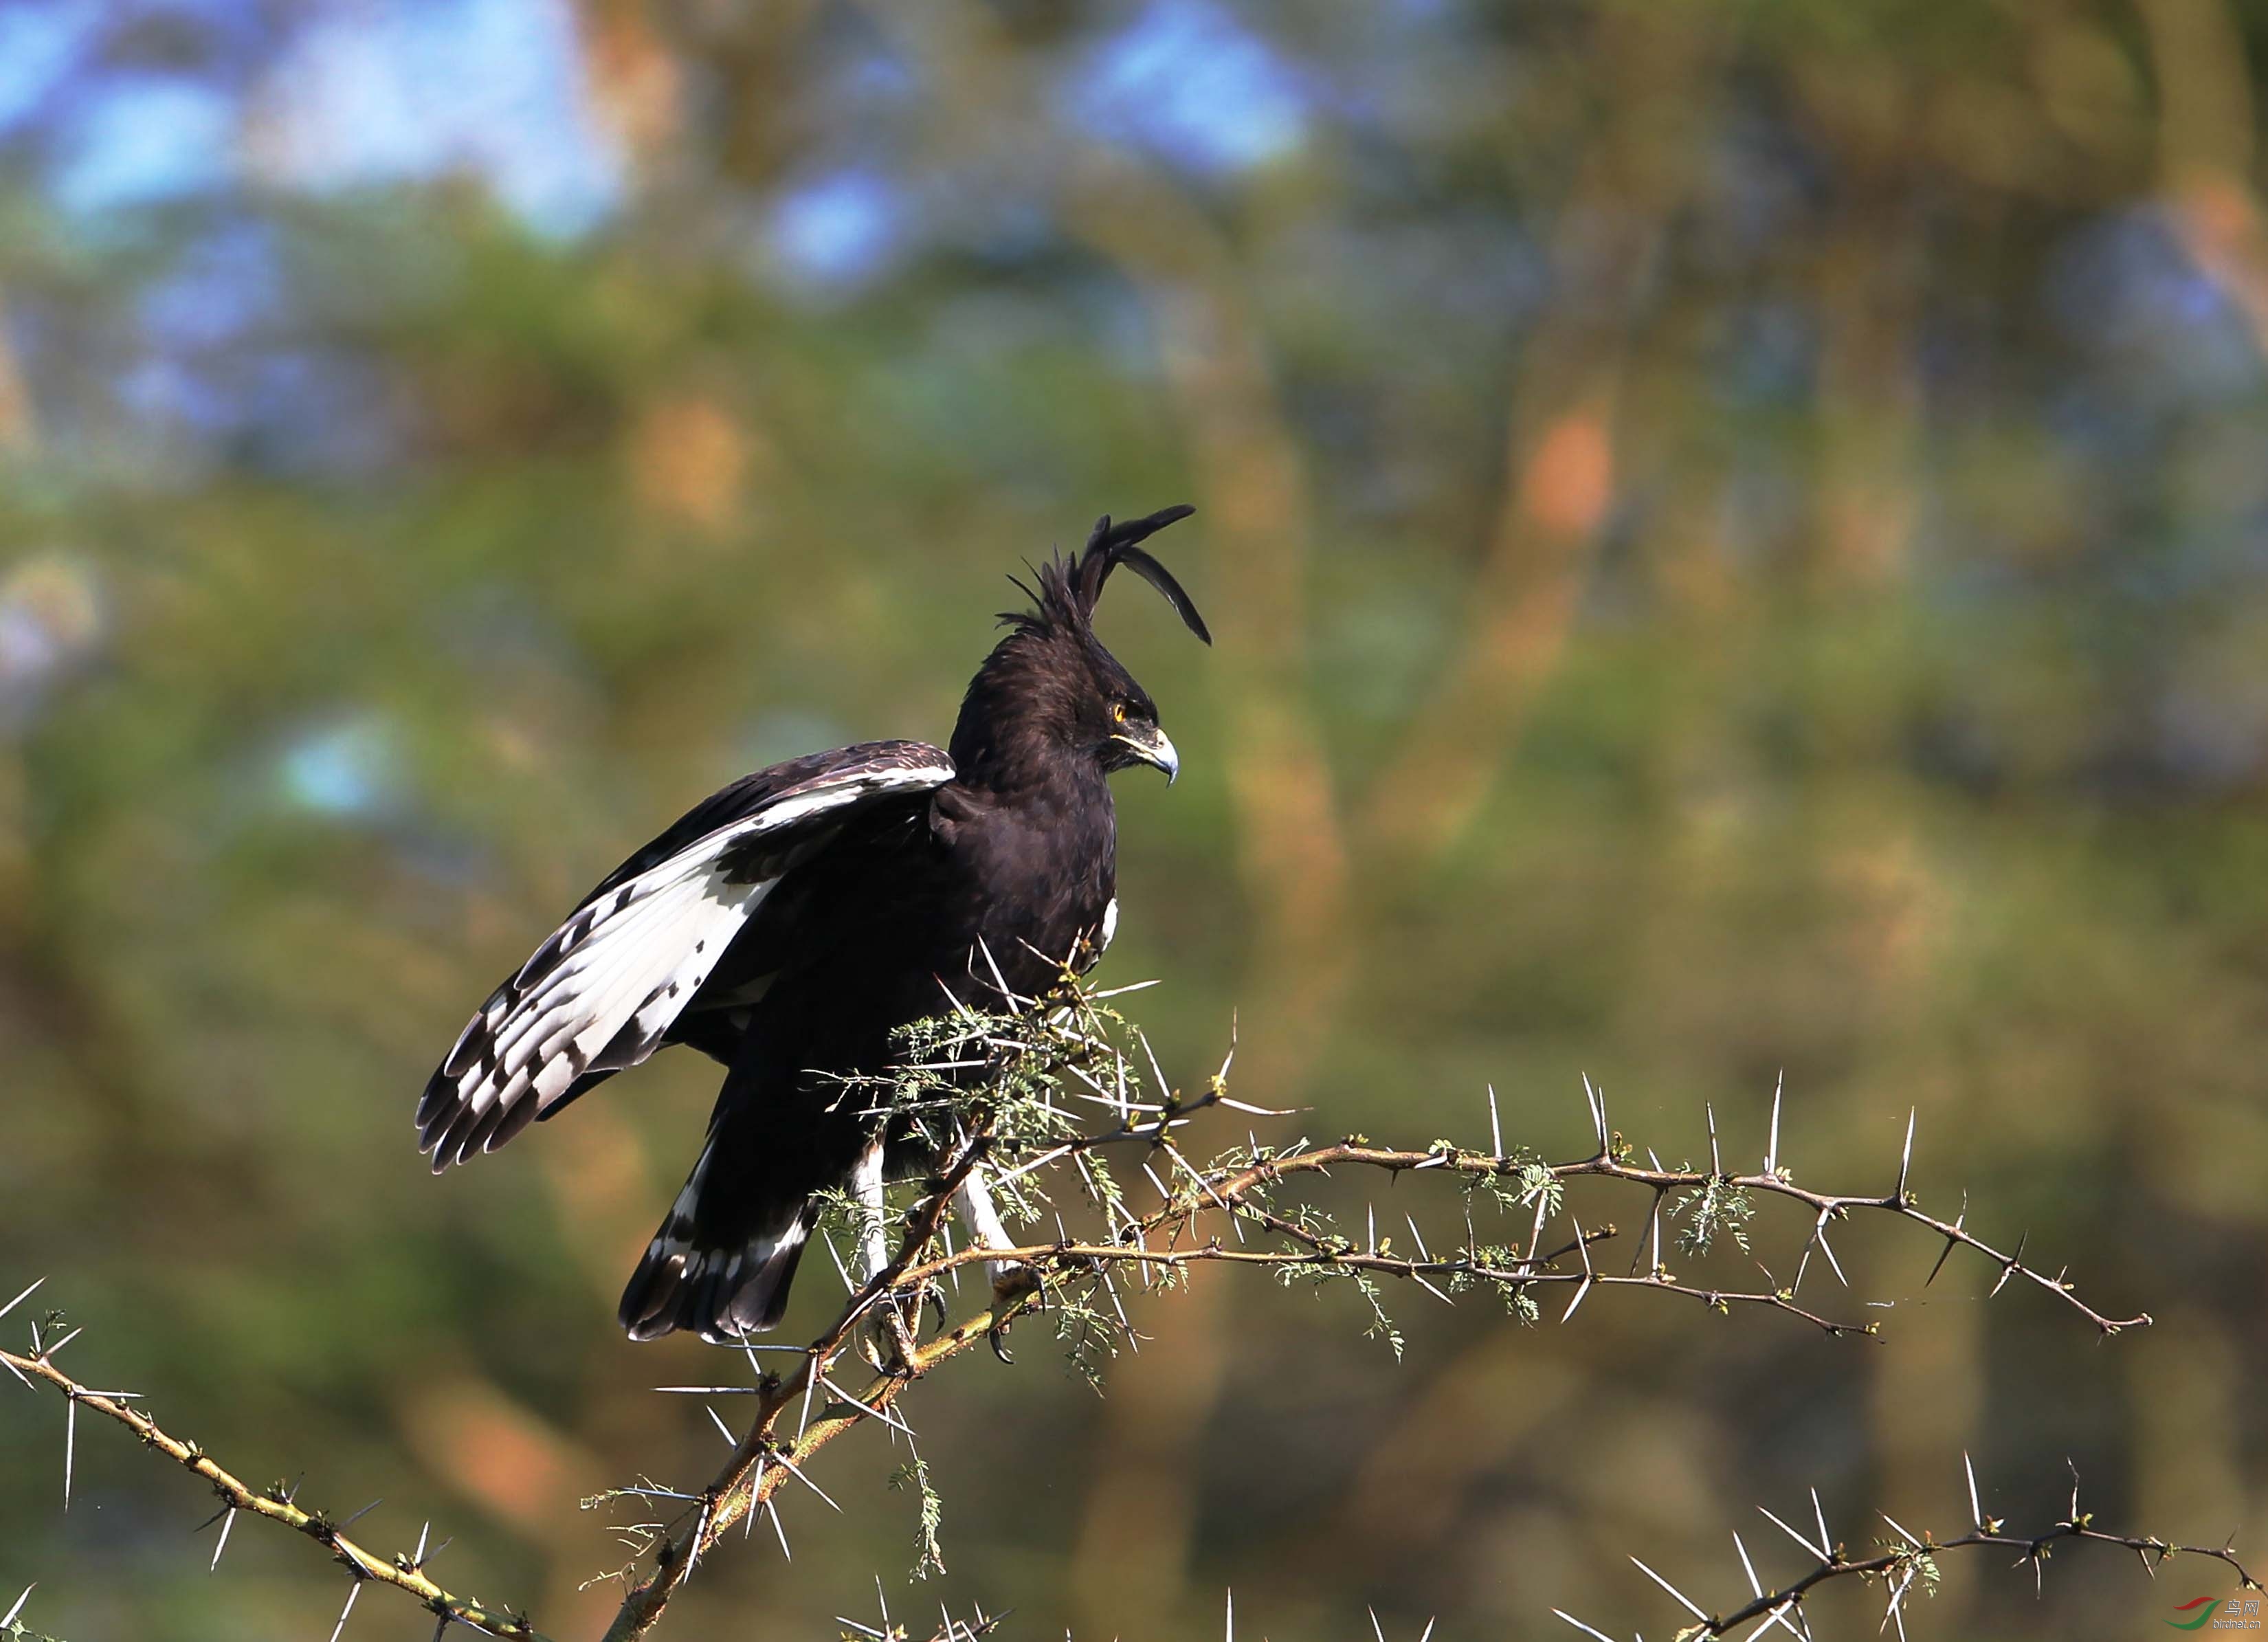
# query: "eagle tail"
[[719, 1286]]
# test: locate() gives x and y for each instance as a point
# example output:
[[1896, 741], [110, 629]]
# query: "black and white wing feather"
[[602, 993]]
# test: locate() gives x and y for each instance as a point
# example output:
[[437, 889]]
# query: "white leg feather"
[[982, 1219], [874, 1212]]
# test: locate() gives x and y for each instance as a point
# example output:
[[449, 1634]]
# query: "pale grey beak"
[[1149, 744]]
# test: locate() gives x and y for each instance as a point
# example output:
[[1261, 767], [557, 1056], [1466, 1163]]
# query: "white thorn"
[[795, 1471], [1165, 1089], [840, 1270], [1756, 1586], [4, 1310], [1589, 1630], [1683, 1601], [692, 1545], [1819, 1236], [1819, 1551], [872, 1412], [353, 1591], [1891, 1612], [1777, 1617]]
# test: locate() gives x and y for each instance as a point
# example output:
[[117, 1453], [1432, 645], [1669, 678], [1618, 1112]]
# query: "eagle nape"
[[788, 925]]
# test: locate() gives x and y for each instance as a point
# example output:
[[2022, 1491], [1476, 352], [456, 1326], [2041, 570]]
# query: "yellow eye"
[[1118, 712]]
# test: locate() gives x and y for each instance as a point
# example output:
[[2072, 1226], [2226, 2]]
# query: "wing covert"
[[600, 994]]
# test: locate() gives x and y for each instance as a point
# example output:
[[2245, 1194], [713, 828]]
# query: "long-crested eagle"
[[791, 923]]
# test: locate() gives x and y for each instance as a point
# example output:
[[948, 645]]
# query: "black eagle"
[[788, 925]]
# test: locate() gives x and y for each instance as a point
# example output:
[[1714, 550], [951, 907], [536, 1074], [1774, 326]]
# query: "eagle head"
[[1049, 691]]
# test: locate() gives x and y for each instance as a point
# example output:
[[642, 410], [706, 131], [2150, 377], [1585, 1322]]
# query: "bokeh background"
[[1738, 537]]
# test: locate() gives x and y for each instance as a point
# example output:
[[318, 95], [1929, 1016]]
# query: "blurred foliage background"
[[1738, 534]]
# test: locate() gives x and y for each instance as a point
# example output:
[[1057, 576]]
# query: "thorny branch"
[[1037, 1094], [1040, 1061], [1904, 1564], [404, 1571]]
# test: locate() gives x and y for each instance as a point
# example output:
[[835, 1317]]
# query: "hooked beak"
[[1148, 743]]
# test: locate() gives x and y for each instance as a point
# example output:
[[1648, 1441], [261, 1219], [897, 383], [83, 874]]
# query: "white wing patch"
[[604, 1003], [1109, 925], [602, 992]]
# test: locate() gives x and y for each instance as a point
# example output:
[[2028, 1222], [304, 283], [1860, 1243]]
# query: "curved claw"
[[1009, 1289], [937, 1303]]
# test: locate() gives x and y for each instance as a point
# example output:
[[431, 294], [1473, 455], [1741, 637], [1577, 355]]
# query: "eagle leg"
[[982, 1217], [899, 1320], [874, 1212]]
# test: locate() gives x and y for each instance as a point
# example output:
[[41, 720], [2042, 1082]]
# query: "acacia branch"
[[1073, 1041], [1016, 1094], [404, 1572], [1828, 1206], [1905, 1562]]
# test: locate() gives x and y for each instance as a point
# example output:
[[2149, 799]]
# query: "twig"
[[402, 1572], [1910, 1557]]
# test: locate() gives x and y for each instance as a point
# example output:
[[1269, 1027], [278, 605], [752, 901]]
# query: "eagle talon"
[[891, 1340], [1013, 1287]]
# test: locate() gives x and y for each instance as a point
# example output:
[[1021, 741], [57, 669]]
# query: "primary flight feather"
[[788, 925]]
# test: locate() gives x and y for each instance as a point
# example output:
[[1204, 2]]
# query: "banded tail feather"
[[720, 1286]]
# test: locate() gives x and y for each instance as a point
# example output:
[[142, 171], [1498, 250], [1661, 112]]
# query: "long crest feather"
[[1070, 588], [1109, 546]]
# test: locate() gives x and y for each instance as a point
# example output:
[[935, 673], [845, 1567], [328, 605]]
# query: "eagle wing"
[[603, 991]]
